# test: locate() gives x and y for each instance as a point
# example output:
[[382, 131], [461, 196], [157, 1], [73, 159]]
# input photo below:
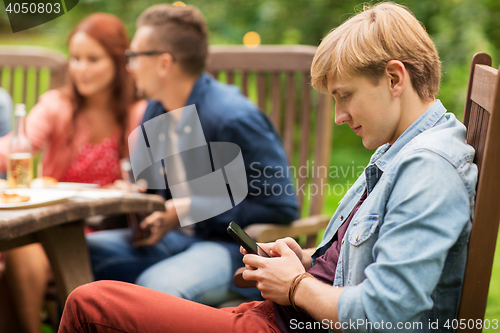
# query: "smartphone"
[[244, 240]]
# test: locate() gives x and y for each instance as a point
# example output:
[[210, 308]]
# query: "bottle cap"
[[20, 110]]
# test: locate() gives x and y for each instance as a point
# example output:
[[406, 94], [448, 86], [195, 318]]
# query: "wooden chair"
[[279, 77], [482, 119], [24, 59], [17, 63]]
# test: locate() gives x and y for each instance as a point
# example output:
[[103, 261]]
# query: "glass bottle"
[[20, 162]]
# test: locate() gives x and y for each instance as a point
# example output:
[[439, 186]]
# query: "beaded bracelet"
[[293, 287]]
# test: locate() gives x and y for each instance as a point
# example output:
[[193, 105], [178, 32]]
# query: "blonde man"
[[393, 256]]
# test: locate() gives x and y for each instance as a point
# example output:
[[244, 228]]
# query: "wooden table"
[[59, 228]]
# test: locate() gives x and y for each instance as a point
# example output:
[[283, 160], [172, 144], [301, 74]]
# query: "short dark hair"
[[180, 30]]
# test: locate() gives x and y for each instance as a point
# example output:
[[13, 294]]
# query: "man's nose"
[[341, 116]]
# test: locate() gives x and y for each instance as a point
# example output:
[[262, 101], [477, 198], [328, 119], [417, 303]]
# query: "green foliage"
[[493, 305], [459, 28]]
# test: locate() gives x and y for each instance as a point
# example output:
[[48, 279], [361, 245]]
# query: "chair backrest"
[[482, 119], [279, 77], [21, 68]]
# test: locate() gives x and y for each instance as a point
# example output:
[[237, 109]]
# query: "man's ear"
[[396, 71], [165, 64]]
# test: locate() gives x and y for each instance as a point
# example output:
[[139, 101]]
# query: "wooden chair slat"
[[479, 58], [37, 84], [472, 119], [2, 81], [230, 77], [24, 97], [11, 81], [244, 83], [261, 90], [306, 125], [288, 134], [322, 151], [482, 125], [276, 101], [484, 131]]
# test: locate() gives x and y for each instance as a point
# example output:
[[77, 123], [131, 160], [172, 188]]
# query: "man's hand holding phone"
[[274, 275], [275, 268], [303, 255], [157, 225]]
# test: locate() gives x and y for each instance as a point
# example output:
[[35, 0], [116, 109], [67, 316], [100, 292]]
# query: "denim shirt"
[[403, 255], [228, 116]]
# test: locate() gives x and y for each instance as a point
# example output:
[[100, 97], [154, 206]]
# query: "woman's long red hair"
[[109, 31]]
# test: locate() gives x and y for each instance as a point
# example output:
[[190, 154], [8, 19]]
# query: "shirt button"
[[341, 217], [187, 129], [161, 137], [357, 236], [343, 238]]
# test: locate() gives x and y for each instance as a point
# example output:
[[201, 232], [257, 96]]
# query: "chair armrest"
[[268, 232], [240, 282]]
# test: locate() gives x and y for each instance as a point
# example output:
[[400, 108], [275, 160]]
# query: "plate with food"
[[24, 198], [49, 182]]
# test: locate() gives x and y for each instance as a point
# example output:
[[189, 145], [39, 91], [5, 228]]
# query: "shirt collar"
[[199, 87], [198, 90], [386, 153]]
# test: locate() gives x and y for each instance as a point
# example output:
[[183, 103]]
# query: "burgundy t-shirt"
[[323, 270]]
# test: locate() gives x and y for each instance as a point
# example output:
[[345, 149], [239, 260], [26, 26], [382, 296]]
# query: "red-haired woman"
[[83, 128]]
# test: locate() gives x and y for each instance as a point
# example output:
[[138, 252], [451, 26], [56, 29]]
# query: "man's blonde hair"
[[367, 41]]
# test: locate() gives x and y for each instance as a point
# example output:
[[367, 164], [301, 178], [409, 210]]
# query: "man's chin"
[[369, 145]]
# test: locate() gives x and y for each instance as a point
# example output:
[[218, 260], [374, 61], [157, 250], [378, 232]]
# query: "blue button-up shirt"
[[228, 116], [404, 254]]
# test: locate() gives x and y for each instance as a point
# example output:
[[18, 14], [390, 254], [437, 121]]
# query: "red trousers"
[[110, 306]]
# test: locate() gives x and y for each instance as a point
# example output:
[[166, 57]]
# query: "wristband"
[[293, 287]]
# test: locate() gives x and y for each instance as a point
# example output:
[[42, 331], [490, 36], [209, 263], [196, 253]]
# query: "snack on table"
[[7, 198], [43, 182]]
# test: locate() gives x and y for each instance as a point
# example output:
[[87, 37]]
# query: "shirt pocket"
[[363, 228]]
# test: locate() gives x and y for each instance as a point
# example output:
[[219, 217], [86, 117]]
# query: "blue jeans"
[[179, 265]]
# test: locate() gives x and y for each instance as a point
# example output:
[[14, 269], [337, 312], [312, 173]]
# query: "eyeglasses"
[[132, 55]]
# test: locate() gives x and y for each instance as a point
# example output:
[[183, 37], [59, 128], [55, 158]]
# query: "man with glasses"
[[167, 58]]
